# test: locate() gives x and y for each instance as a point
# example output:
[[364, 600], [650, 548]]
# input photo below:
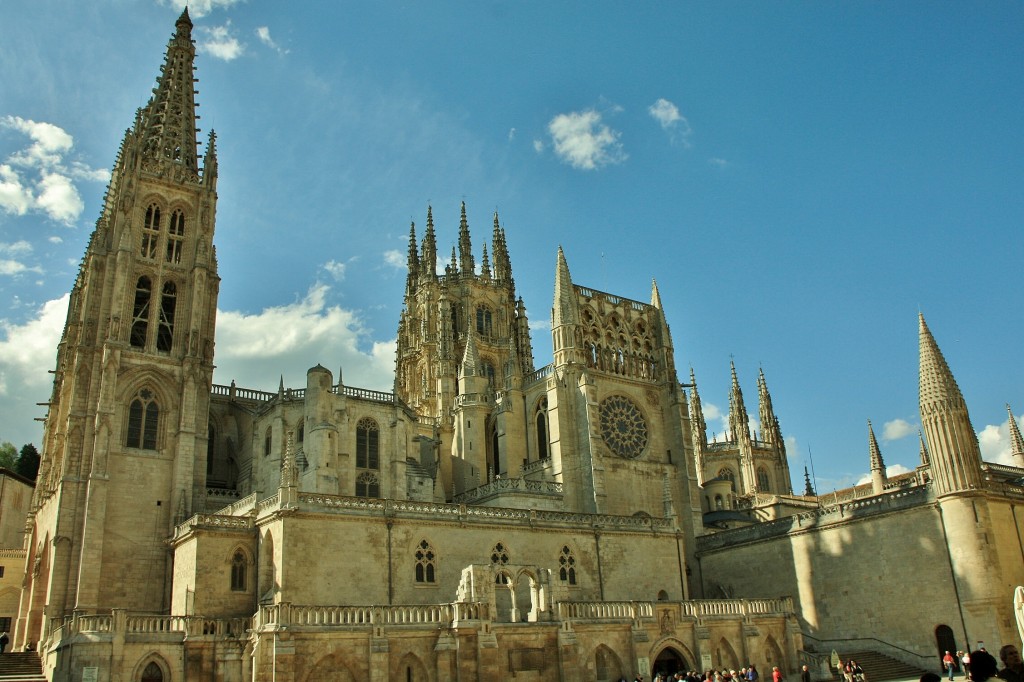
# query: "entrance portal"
[[669, 662]]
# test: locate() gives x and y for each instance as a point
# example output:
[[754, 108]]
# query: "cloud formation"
[[671, 121], [200, 8], [995, 444], [898, 428], [583, 141], [263, 34], [395, 259], [220, 42], [40, 177]]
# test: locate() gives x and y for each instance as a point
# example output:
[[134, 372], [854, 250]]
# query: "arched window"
[[211, 449], [150, 232], [499, 558], [165, 330], [488, 368], [239, 566], [367, 485], [484, 321], [763, 484], [367, 444], [425, 565], [152, 673], [728, 475], [719, 504], [140, 312], [268, 441], [541, 419], [143, 418], [175, 237], [567, 566], [301, 432]]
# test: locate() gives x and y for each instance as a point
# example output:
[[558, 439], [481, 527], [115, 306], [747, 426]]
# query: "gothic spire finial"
[[739, 421], [467, 264], [924, 449], [877, 464], [1016, 441], [808, 489], [655, 294]]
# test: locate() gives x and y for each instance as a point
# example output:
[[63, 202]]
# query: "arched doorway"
[[669, 662], [945, 641]]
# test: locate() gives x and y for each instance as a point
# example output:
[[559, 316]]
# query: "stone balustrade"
[[446, 615]]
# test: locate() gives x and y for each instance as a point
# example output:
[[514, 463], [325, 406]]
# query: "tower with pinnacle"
[[124, 442], [463, 341]]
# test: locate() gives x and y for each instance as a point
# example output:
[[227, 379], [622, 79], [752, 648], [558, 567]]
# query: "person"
[[805, 674], [857, 672], [752, 673], [983, 666], [776, 674], [1013, 666], [949, 665], [4, 639]]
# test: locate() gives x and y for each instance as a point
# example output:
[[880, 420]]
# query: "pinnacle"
[[876, 454], [936, 381]]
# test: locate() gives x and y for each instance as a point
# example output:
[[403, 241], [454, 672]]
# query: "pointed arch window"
[[140, 312], [211, 448], [541, 419], [484, 321], [152, 673], [763, 482], [239, 570], [567, 566], [143, 421], [488, 371], [165, 329], [150, 232], [367, 444], [425, 562], [175, 236], [367, 485], [268, 441]]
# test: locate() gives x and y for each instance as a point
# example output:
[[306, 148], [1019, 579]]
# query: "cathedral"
[[487, 518]]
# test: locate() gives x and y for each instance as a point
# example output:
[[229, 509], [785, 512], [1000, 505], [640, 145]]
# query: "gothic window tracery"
[[367, 485], [140, 312], [763, 484], [150, 232], [484, 321], [175, 236], [425, 562], [143, 421], [567, 566], [499, 559], [152, 673], [727, 474], [239, 570], [541, 418], [165, 328], [623, 426], [367, 444]]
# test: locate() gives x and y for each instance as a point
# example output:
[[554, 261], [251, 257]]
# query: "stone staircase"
[[877, 667], [21, 666]]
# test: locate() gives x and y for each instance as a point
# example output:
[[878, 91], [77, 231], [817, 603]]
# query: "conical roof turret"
[[877, 465], [1016, 441], [564, 309], [168, 122], [739, 420], [925, 460]]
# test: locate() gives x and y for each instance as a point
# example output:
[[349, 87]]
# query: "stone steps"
[[879, 667], [21, 666]]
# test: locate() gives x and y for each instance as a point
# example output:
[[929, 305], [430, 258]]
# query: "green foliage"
[[8, 455], [28, 462]]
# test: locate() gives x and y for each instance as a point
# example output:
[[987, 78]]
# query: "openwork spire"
[[168, 121], [877, 464], [924, 450], [428, 251], [467, 264], [1016, 441], [700, 427], [808, 488], [739, 421]]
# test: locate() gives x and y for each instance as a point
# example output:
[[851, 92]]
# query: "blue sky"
[[801, 178]]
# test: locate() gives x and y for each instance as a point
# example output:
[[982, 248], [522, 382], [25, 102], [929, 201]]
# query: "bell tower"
[[124, 445]]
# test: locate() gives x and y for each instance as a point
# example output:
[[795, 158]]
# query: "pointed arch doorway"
[[669, 662]]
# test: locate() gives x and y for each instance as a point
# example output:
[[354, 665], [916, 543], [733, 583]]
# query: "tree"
[[28, 462], [8, 455]]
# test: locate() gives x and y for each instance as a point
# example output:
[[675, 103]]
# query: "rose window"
[[623, 427]]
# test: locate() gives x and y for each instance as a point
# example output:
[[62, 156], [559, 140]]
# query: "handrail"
[[928, 660]]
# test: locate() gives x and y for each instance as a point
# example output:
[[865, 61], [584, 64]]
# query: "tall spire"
[[168, 121], [467, 264], [428, 251], [739, 421], [877, 465], [485, 265], [923, 450], [770, 431], [412, 261], [564, 310], [700, 427], [808, 488], [499, 253], [1016, 442], [952, 441], [655, 294]]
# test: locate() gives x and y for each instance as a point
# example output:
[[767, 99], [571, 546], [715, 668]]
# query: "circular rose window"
[[623, 427]]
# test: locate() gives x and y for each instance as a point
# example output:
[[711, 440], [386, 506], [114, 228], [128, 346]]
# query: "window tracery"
[[367, 444], [623, 426], [140, 312], [150, 232], [175, 236], [425, 562], [567, 566], [143, 421], [239, 569], [499, 559], [763, 482], [367, 485], [541, 419], [165, 328]]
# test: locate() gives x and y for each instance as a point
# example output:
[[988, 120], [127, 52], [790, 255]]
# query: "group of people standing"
[[980, 665], [749, 674], [851, 671]]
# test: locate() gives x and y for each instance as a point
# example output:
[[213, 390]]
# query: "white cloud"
[[897, 428], [995, 444], [538, 146], [335, 269], [16, 248], [718, 163], [200, 8], [667, 115], [13, 267], [890, 471], [583, 141], [55, 240], [39, 177], [511, 134], [395, 259], [220, 42], [263, 34]]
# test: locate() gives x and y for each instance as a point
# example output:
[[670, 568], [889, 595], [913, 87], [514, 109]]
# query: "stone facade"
[[486, 519]]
